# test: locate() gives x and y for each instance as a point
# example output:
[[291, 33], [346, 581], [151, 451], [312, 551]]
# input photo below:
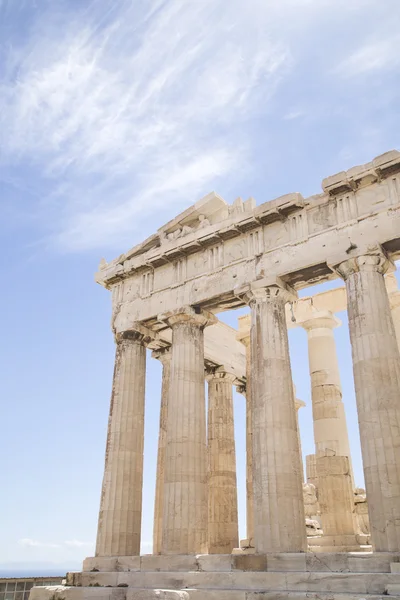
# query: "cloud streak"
[[123, 124], [122, 113], [78, 544], [31, 543], [376, 55]]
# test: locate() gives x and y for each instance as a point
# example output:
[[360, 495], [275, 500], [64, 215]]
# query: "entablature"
[[211, 249]]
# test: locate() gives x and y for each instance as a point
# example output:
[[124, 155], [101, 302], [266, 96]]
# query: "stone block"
[[308, 596], [395, 567], [271, 595], [392, 156], [246, 543], [107, 593], [339, 541], [326, 562], [393, 589], [77, 593], [73, 579], [174, 562], [336, 549], [100, 563], [157, 580], [46, 592], [242, 551], [293, 561], [217, 594], [214, 562], [249, 562], [135, 594], [257, 580], [376, 582], [129, 563], [377, 562], [334, 582], [99, 579], [333, 182]]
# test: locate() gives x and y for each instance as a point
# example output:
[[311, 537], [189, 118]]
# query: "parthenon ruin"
[[318, 538]]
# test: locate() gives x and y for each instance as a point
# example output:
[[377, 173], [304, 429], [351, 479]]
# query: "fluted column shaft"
[[185, 476], [249, 449], [164, 356], [395, 306], [376, 366], [299, 404], [245, 340], [311, 469], [330, 428], [277, 481], [336, 498], [120, 517], [222, 485]]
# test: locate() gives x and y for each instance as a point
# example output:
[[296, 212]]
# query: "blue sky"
[[115, 116]]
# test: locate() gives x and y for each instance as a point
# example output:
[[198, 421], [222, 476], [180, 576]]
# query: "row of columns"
[[190, 494]]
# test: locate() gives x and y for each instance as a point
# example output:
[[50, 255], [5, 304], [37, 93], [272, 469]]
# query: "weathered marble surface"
[[164, 356], [216, 256], [277, 479], [223, 577], [285, 237], [120, 517], [185, 473], [376, 366], [222, 484]]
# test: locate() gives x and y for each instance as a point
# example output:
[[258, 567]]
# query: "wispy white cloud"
[[130, 118], [294, 114], [372, 56], [78, 544], [29, 543], [129, 109]]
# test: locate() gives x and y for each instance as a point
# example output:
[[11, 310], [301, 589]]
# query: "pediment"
[[204, 212]]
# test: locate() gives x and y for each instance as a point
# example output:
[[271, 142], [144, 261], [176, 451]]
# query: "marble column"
[[245, 340], [330, 428], [278, 493], [311, 470], [394, 298], [299, 404], [336, 503], [185, 476], [164, 356], [222, 485], [376, 366], [120, 517]]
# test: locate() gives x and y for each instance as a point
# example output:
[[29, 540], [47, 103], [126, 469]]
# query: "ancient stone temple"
[[321, 538]]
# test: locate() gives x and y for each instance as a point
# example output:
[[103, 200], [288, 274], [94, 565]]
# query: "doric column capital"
[[267, 290], [220, 373], [299, 404], [137, 333], [162, 354], [321, 319], [188, 314], [376, 260]]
